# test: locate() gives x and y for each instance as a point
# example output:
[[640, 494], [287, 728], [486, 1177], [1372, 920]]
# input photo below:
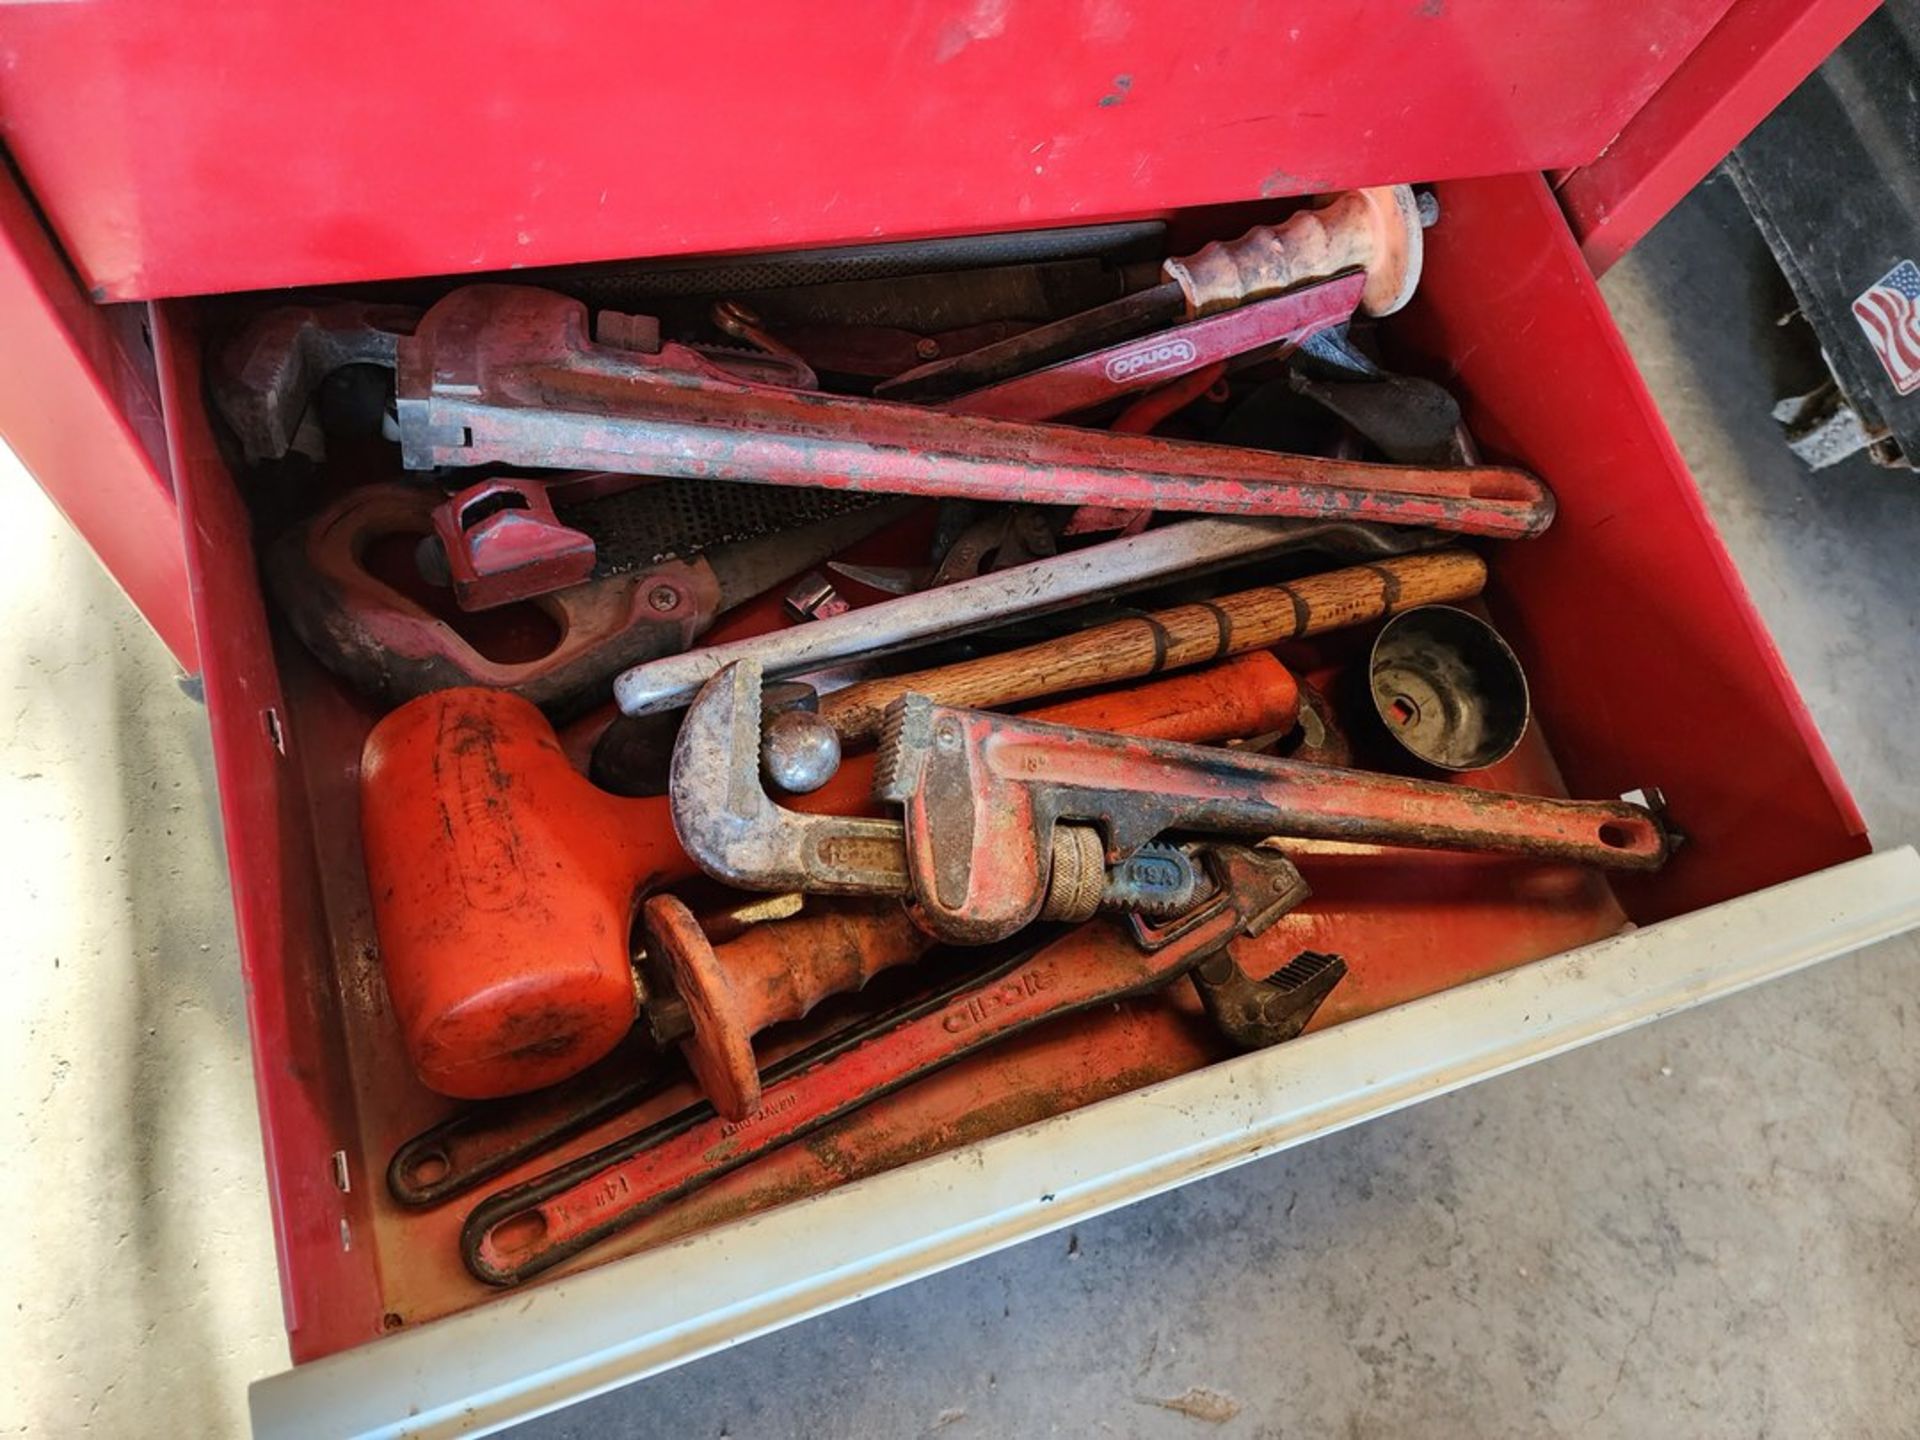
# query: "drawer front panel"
[[195, 147]]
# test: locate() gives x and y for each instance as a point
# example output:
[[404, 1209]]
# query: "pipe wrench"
[[992, 805]]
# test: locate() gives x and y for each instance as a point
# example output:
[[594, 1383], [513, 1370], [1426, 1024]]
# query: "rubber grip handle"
[[782, 970], [722, 996], [1376, 230]]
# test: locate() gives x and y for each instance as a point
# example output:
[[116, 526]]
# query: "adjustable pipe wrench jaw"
[[998, 812], [544, 357], [1252, 888], [477, 336], [733, 829], [928, 762], [263, 378], [984, 797], [979, 812]]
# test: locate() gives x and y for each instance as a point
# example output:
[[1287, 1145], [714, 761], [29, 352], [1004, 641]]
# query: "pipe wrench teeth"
[[1257, 1013], [905, 738]]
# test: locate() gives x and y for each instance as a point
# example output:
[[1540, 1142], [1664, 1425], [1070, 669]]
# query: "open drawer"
[[1649, 667]]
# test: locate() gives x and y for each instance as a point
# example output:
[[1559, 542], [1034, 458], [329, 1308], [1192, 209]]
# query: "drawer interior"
[[1647, 663]]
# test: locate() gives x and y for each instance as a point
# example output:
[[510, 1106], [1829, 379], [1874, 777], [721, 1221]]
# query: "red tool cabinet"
[[168, 154]]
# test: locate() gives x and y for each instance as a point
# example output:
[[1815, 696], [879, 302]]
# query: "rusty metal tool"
[[799, 751], [1252, 694], [711, 1000], [813, 598], [1142, 416], [501, 541], [1407, 419], [263, 378], [504, 374], [985, 799], [518, 537], [740, 321], [504, 883], [1247, 620], [520, 1232], [1015, 534], [1257, 1013], [349, 584], [634, 526], [480, 1141], [857, 355], [1447, 688], [1111, 567], [1377, 231], [1006, 536], [992, 804], [1261, 328]]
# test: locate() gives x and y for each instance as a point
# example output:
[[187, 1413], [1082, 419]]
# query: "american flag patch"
[[1889, 311]]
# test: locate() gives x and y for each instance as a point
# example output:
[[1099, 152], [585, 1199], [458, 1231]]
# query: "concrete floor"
[[142, 1282], [1701, 1228]]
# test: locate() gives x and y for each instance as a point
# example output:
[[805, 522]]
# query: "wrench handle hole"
[[428, 1168], [518, 1232]]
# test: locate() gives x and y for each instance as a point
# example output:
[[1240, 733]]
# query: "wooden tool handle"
[[1171, 639]]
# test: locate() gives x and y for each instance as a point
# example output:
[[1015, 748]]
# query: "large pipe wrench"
[[516, 375], [1004, 817], [508, 374]]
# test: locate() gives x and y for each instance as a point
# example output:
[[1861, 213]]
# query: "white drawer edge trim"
[[576, 1337]]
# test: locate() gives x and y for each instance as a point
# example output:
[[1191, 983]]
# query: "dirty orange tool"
[[1142, 417], [722, 996], [1249, 695], [1376, 231], [504, 882], [502, 886]]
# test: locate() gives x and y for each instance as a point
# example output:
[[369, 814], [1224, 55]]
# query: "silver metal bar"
[[1189, 547]]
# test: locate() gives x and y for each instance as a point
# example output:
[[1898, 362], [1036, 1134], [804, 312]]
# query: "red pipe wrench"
[[513, 375]]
